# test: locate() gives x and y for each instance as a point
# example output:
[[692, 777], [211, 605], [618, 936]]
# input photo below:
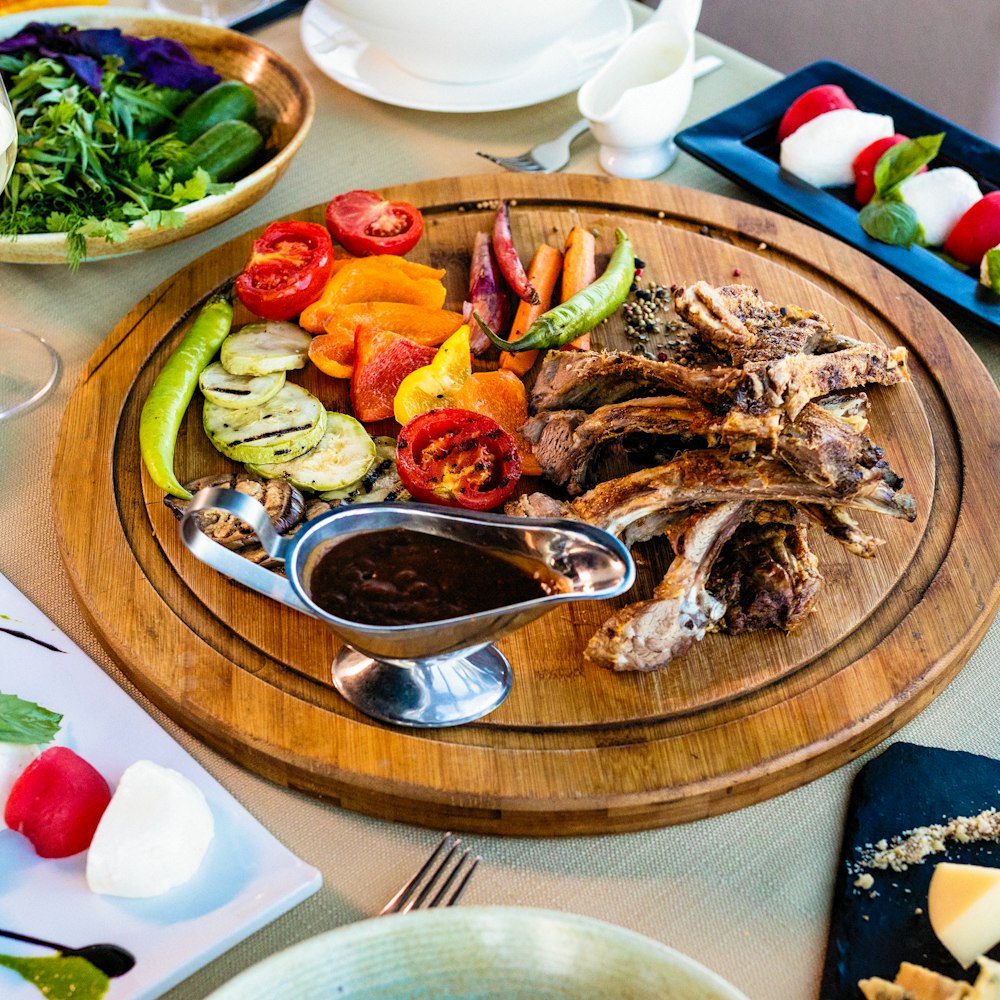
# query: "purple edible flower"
[[167, 63], [87, 69], [162, 61]]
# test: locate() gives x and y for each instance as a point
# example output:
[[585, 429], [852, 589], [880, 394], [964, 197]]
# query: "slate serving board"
[[906, 787]]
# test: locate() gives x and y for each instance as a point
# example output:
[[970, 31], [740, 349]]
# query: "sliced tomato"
[[811, 104], [57, 802], [382, 360], [288, 267], [864, 166], [977, 231], [457, 458], [364, 223]]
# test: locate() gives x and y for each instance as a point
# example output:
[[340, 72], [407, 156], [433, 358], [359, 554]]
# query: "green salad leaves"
[[93, 160]]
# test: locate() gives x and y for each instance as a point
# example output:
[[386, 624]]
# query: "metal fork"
[[547, 157], [435, 874]]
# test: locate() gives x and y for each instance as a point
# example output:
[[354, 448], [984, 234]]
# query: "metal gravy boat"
[[437, 673]]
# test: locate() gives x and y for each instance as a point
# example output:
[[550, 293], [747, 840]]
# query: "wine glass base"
[[422, 693], [29, 369]]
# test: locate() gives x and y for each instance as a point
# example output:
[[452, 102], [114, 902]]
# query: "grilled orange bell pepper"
[[384, 278]]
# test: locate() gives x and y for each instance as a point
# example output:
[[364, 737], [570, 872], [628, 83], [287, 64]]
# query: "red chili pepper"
[[457, 458], [507, 259], [288, 267]]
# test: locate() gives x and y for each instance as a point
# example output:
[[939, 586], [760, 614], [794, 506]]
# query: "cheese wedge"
[[963, 904], [987, 984]]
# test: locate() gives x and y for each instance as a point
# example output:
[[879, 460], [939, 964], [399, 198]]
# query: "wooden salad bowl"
[[285, 110], [575, 748]]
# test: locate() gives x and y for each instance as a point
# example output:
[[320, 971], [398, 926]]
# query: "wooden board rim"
[[578, 810]]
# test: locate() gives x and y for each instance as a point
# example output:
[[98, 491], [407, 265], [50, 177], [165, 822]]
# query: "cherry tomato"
[[457, 458], [812, 104], [976, 232], [864, 166], [288, 267], [57, 802], [364, 223]]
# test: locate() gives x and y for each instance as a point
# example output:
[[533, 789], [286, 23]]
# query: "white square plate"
[[248, 878]]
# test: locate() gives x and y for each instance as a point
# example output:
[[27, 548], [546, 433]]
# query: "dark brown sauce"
[[397, 576]]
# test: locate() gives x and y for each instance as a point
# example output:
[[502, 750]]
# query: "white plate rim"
[[173, 935], [419, 932], [523, 90]]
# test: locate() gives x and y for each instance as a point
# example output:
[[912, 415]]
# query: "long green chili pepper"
[[168, 399], [580, 312]]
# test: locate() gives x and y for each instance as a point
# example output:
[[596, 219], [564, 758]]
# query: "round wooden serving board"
[[574, 749]]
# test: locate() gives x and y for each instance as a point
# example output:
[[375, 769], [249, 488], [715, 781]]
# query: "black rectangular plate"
[[741, 143], [906, 787]]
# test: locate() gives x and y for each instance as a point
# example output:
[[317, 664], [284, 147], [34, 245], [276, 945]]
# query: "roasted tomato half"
[[364, 223], [288, 267], [457, 458]]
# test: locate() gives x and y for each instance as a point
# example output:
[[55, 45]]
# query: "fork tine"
[[525, 163], [404, 894], [417, 891], [439, 898]]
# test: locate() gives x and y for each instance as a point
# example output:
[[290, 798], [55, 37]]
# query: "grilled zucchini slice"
[[235, 391], [262, 348], [290, 423], [342, 456]]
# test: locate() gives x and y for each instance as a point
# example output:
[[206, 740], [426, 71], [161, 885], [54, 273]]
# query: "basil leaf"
[[892, 222], [25, 722], [904, 159]]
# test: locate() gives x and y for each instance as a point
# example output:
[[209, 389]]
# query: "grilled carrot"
[[543, 273], [579, 270]]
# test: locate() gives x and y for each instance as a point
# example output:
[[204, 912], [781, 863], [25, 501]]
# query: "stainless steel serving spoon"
[[110, 959]]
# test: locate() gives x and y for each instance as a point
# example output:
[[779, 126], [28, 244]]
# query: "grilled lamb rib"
[[737, 566], [789, 355], [710, 475], [648, 634], [767, 576], [824, 444]]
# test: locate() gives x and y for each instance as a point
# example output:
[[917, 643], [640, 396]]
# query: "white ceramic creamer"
[[640, 96]]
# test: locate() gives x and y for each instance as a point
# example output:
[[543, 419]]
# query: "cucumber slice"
[[343, 455], [235, 391], [262, 348], [286, 426]]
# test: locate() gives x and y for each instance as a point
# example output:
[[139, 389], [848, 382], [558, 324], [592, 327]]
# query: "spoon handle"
[[28, 939]]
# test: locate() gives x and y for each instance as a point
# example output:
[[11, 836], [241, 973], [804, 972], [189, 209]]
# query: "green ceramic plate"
[[495, 953]]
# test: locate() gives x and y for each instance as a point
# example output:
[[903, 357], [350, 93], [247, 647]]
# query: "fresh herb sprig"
[[25, 722]]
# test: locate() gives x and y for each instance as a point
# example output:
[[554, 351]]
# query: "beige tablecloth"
[[748, 893]]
